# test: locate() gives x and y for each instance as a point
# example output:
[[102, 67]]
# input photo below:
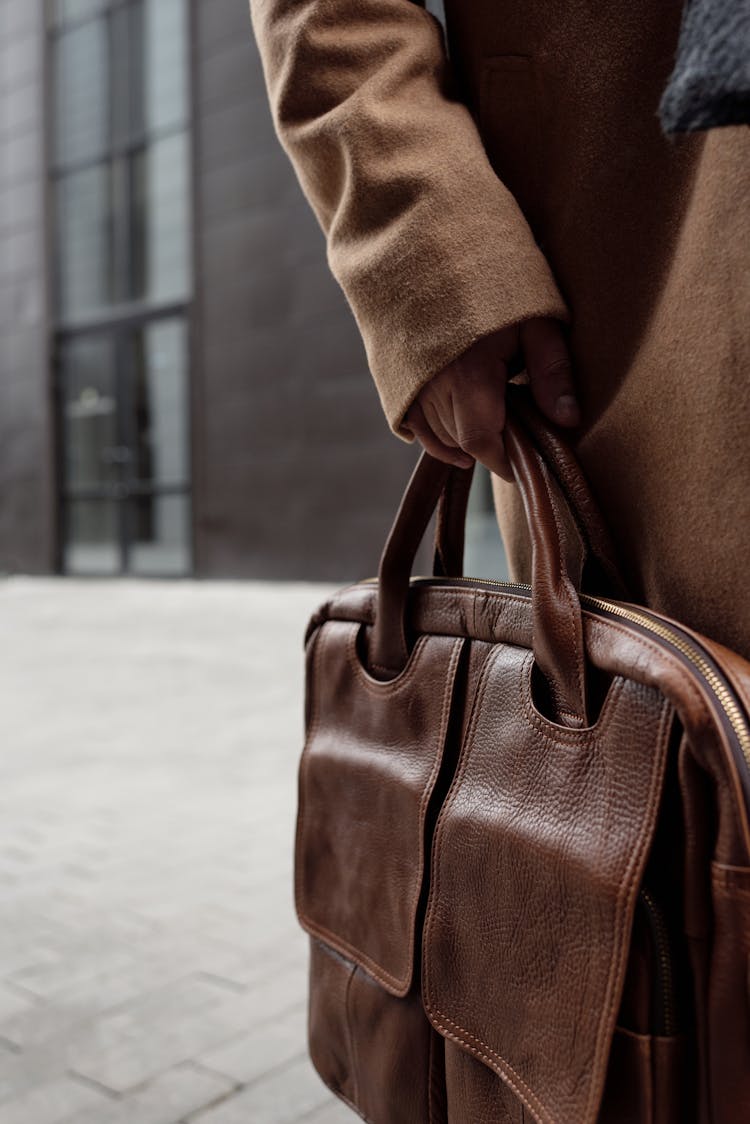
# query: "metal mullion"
[[55, 30], [121, 500], [119, 95], [118, 233], [62, 510], [142, 139], [136, 89], [123, 315], [95, 492], [157, 489], [136, 236]]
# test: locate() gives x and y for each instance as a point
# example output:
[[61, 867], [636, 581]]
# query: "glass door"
[[120, 184], [124, 417]]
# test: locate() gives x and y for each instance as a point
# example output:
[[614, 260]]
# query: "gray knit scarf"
[[710, 84]]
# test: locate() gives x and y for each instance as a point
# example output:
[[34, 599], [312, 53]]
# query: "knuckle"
[[559, 365], [439, 454], [478, 440], [477, 375], [430, 442]]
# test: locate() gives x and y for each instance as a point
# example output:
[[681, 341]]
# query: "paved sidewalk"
[[151, 969]]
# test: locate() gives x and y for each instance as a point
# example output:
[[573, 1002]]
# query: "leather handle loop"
[[602, 575], [560, 548], [389, 649], [557, 558], [450, 528]]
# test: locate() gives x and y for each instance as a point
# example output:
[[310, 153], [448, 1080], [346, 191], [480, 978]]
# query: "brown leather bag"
[[523, 853]]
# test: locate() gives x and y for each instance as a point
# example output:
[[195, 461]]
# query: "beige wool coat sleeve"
[[429, 247]]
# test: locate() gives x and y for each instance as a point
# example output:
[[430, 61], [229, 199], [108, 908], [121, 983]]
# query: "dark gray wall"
[[26, 507], [296, 472]]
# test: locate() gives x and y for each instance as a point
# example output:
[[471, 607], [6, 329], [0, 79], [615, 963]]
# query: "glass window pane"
[[91, 537], [161, 221], [161, 404], [66, 11], [165, 69], [123, 83], [159, 531], [81, 62], [91, 452], [85, 211]]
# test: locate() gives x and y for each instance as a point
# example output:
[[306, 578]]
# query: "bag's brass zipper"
[[688, 648], [691, 652], [664, 1021]]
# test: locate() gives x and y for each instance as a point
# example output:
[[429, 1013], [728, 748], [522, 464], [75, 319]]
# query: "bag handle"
[[559, 551], [602, 572]]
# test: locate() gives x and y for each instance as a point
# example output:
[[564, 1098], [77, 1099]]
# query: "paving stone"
[[167, 1099], [53, 1103], [282, 1097], [254, 1054], [13, 1004], [164, 1004], [23, 1071], [335, 1112], [124, 1049], [117, 982], [146, 850]]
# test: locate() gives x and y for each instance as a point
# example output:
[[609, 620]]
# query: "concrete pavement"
[[151, 968]]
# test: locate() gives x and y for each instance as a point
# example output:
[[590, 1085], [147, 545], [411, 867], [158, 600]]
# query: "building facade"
[[182, 387]]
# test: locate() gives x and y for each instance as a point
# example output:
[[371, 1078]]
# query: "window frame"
[[119, 320]]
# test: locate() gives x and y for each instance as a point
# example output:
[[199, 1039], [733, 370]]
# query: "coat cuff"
[[460, 278]]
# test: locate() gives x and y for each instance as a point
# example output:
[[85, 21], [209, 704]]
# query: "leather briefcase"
[[523, 854]]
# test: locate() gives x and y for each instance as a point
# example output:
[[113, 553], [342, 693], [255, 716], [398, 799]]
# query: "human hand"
[[459, 415]]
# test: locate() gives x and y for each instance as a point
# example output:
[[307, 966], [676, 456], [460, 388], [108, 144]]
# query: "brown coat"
[[584, 210]]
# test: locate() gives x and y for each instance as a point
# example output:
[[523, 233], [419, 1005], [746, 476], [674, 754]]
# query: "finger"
[[479, 412], [418, 424], [550, 371], [436, 424]]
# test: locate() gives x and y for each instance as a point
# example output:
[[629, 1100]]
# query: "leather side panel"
[[645, 1081], [729, 995]]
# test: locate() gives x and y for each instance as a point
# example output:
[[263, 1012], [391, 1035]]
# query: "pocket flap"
[[538, 855], [370, 763]]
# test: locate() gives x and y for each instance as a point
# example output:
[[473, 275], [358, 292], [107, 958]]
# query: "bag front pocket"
[[538, 854], [370, 766], [376, 1052], [475, 1094]]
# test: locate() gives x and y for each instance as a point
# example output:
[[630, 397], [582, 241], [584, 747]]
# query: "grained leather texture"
[[544, 837], [475, 1093], [513, 919], [557, 566]]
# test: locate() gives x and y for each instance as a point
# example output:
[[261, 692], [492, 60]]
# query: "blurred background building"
[[182, 387]]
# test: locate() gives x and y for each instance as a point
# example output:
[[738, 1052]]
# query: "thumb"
[[550, 372]]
